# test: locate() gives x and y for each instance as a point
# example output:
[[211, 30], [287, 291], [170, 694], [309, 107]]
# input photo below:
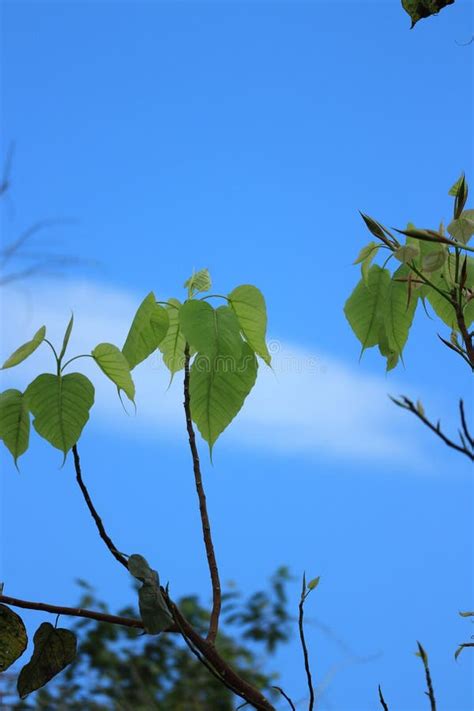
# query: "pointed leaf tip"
[[26, 349]]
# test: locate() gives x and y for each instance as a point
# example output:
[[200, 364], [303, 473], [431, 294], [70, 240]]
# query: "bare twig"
[[285, 696], [206, 528], [464, 448], [98, 521], [304, 646], [465, 429], [430, 693], [72, 612], [382, 700]]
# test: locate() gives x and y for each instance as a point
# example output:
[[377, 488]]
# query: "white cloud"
[[309, 403]]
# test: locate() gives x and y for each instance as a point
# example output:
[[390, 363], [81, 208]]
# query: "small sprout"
[[314, 583]]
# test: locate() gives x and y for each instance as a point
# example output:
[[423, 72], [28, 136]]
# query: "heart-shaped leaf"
[[113, 363], [153, 610], [26, 349], [462, 229], [198, 283], [173, 344], [147, 331], [249, 306], [13, 637], [419, 9], [14, 422], [365, 307], [53, 650], [60, 405], [211, 331], [218, 388]]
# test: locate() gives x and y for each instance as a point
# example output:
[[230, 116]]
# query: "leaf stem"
[[53, 349], [214, 296], [84, 355], [206, 527]]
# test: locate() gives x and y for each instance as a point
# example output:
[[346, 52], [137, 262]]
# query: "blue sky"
[[245, 137]]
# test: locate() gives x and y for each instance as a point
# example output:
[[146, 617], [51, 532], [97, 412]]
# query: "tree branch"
[[98, 521], [206, 528], [466, 448], [73, 612], [304, 647]]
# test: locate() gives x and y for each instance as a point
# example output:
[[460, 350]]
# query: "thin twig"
[[430, 693], [407, 404], [465, 428], [98, 521], [72, 612], [285, 696], [382, 700], [206, 528], [304, 647]]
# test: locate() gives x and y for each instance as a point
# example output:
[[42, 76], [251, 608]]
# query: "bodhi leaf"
[[218, 388], [386, 351], [443, 280], [419, 9], [434, 260], [26, 349], [113, 363], [249, 306], [54, 649], [462, 229], [398, 313], [453, 191], [147, 331], [198, 283], [153, 610], [14, 422], [365, 258], [365, 307], [60, 405], [210, 331], [407, 253], [13, 637], [173, 344], [67, 336]]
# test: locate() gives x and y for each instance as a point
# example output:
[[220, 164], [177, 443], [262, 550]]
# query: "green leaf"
[[419, 9], [14, 422], [13, 637], [407, 253], [365, 307], [249, 306], [172, 346], [210, 331], [60, 405], [148, 329], [153, 610], [198, 283], [218, 388], [434, 260], [365, 258], [389, 353], [314, 583], [462, 229], [398, 313], [54, 650], [26, 349], [457, 185], [467, 614], [67, 336], [113, 363]]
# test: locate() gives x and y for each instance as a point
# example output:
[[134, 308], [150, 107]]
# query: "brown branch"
[[303, 645], [430, 693], [206, 527], [98, 521], [72, 612], [208, 650], [466, 336], [383, 703], [409, 405]]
